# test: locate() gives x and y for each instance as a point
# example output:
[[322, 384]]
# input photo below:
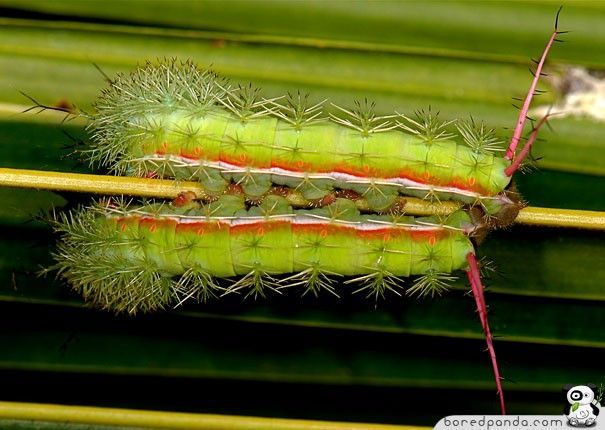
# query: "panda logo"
[[582, 408]]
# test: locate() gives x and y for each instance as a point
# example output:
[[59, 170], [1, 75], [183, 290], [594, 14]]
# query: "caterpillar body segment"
[[133, 259], [174, 120]]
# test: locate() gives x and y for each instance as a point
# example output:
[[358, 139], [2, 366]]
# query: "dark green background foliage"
[[407, 361]]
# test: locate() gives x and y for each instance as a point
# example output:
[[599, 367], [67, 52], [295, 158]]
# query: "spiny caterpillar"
[[173, 120], [128, 258], [142, 258]]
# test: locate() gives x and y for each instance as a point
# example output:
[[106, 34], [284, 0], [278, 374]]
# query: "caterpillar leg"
[[512, 147], [474, 278]]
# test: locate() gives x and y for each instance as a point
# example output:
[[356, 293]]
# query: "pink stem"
[[525, 151], [474, 278], [512, 147]]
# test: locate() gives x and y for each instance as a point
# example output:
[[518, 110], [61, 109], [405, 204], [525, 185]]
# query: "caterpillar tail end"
[[87, 257], [474, 278]]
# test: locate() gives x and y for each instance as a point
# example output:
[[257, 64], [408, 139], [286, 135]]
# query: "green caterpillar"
[[142, 258], [126, 258], [174, 120]]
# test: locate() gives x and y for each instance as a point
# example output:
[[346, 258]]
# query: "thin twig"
[[164, 188]]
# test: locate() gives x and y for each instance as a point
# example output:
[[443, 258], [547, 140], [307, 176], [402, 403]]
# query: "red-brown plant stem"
[[510, 152], [474, 278], [525, 151]]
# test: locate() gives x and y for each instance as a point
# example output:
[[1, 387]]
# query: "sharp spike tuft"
[[378, 283], [257, 282], [363, 118], [246, 103], [479, 138], [426, 125], [196, 284], [314, 280], [431, 284], [298, 112]]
